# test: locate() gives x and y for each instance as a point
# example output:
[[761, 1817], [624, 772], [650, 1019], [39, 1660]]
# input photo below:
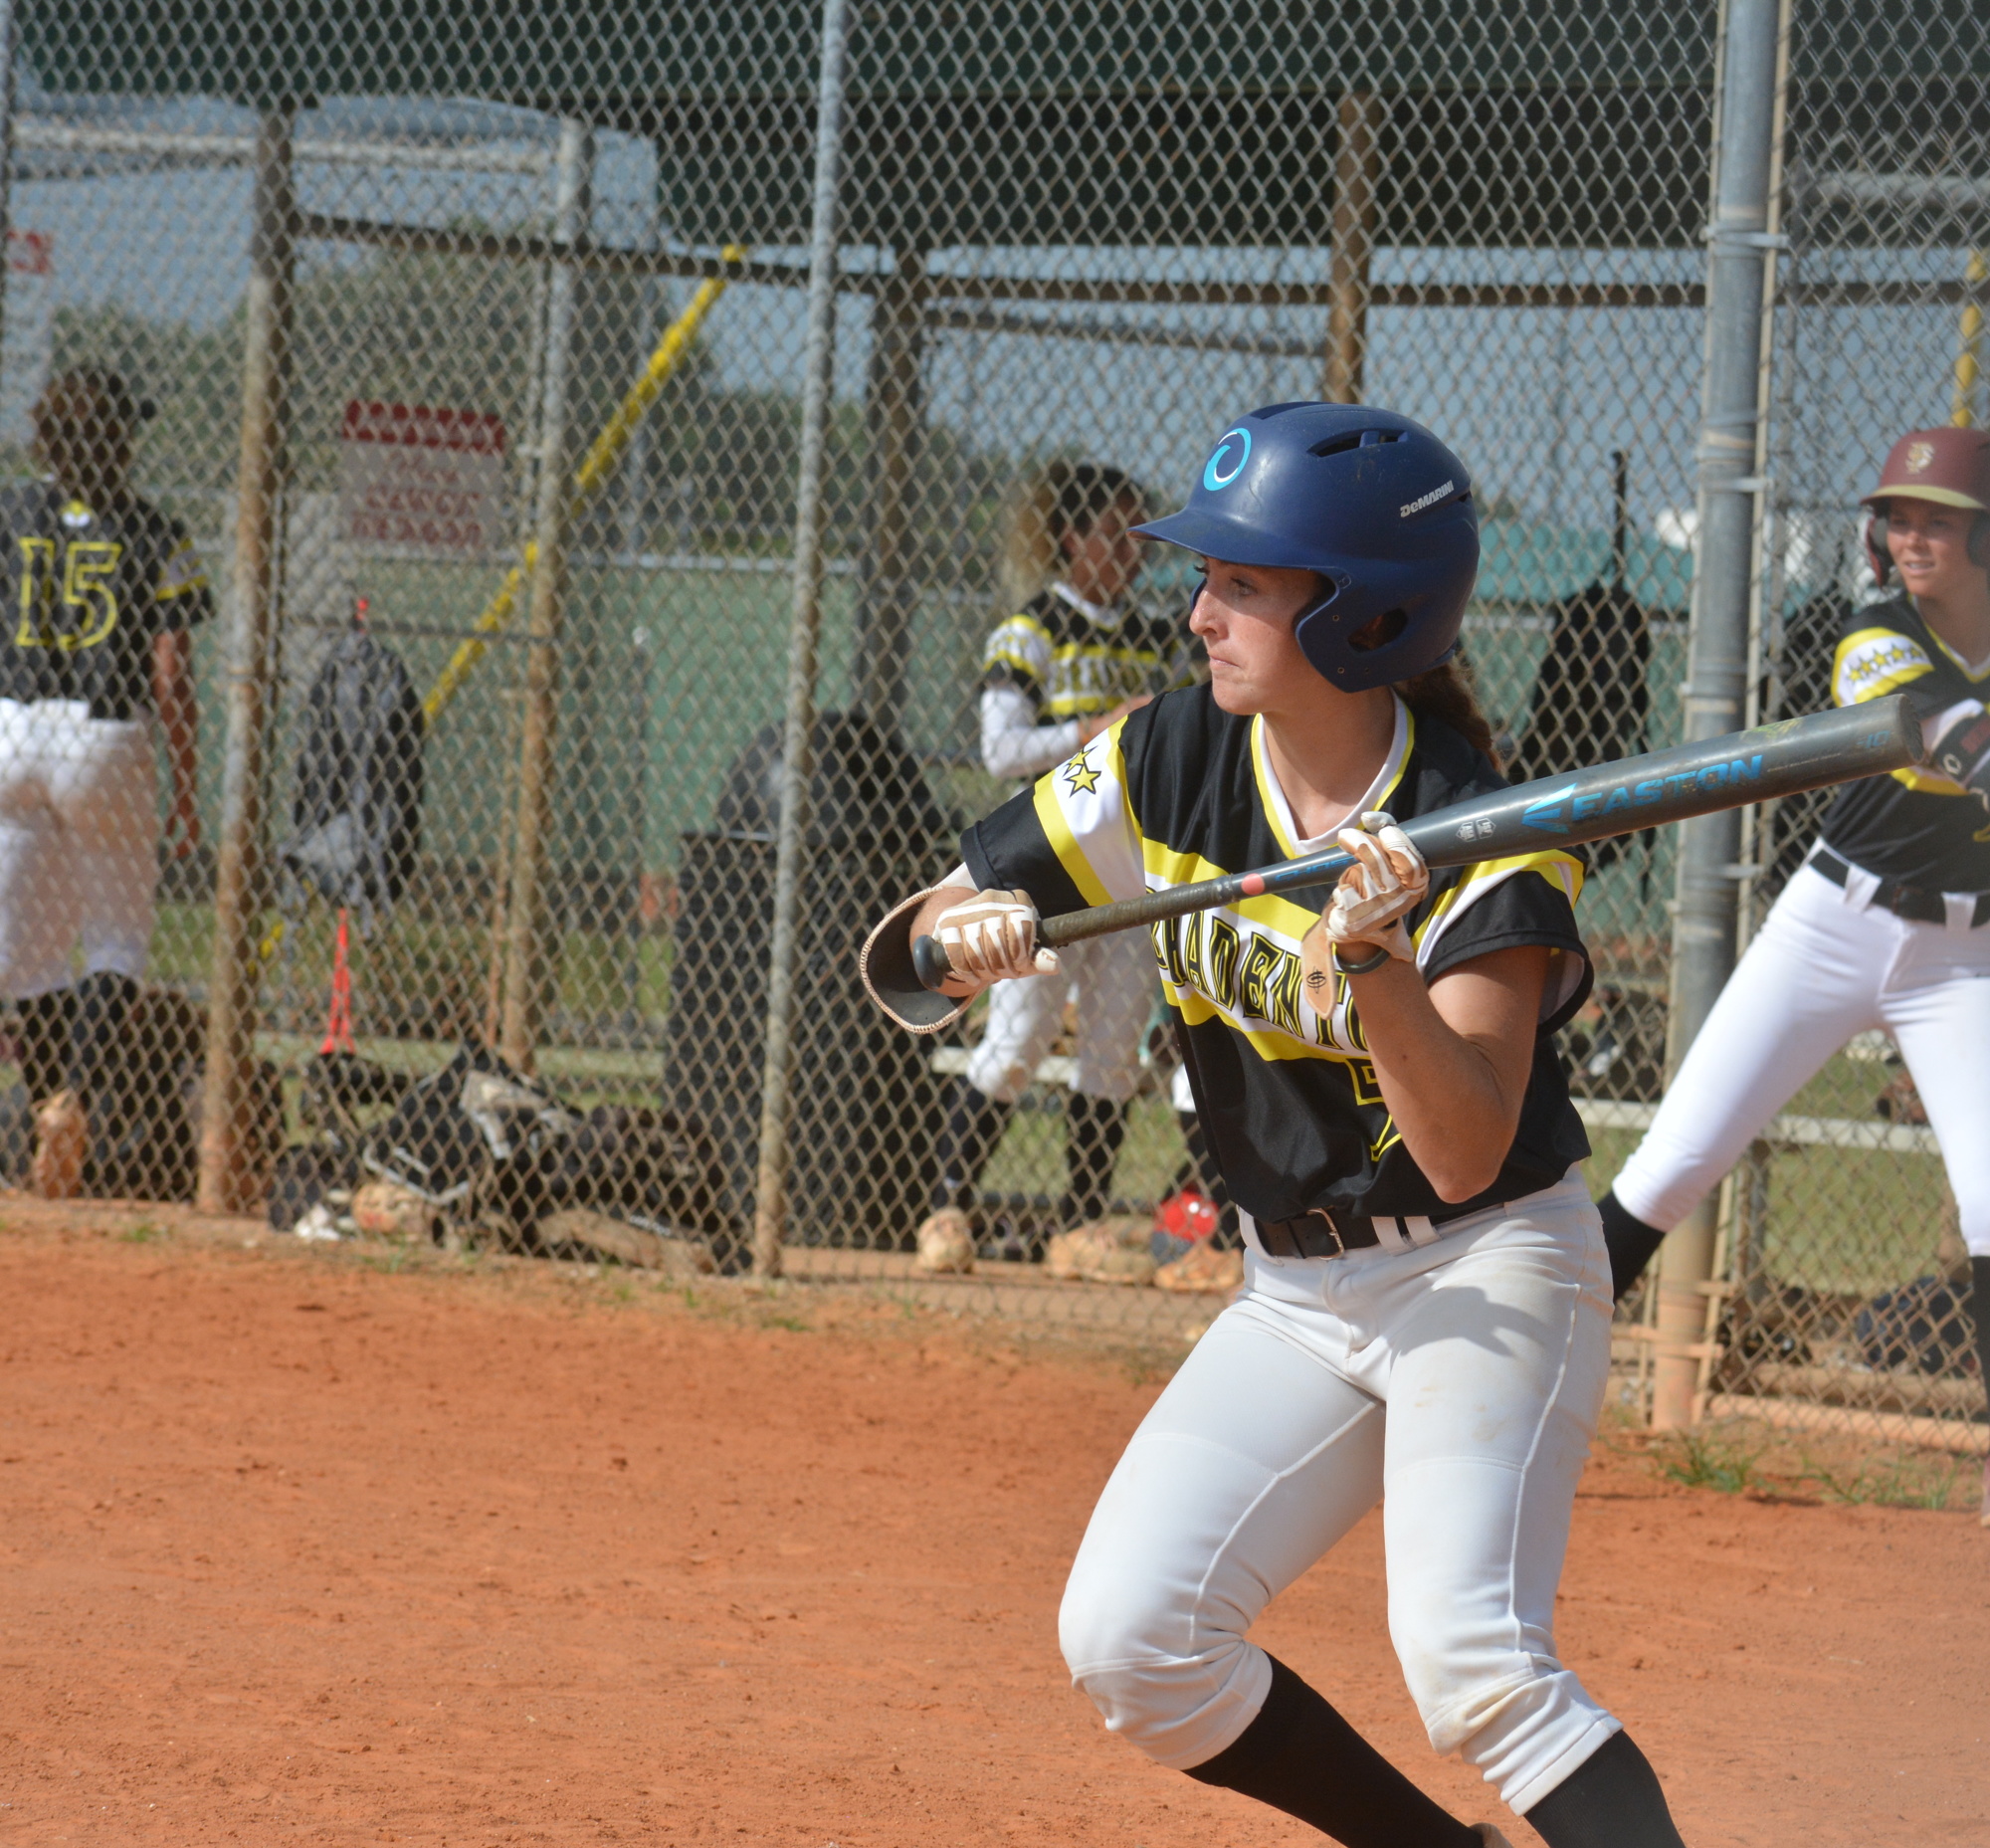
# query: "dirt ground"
[[304, 1547]]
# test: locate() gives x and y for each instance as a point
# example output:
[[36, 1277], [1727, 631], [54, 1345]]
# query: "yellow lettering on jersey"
[[1361, 1075], [1223, 957], [1390, 1136], [1190, 958], [87, 579], [38, 594]]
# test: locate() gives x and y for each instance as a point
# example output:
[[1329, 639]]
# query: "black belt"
[[1903, 900], [1325, 1234]]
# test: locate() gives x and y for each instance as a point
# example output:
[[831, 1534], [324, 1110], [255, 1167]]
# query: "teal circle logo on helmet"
[[1369, 500]]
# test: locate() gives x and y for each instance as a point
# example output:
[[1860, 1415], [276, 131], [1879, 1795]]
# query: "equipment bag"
[[357, 811]]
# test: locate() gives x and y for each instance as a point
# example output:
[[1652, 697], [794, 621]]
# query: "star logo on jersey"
[[1078, 775]]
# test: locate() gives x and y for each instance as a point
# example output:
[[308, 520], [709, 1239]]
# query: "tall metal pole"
[[225, 1180], [527, 961], [1357, 178], [1733, 401], [804, 628], [9, 39]]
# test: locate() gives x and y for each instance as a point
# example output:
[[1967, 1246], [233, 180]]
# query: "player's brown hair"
[[1446, 692], [85, 422], [1060, 499]]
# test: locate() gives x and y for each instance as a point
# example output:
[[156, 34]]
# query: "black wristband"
[[1366, 967]]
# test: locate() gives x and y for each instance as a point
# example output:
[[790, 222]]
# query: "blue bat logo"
[[1543, 813]]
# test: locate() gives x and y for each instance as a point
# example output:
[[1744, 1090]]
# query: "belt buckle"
[[1334, 1231]]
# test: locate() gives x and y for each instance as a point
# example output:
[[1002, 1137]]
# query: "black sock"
[[1630, 1243], [1610, 1800], [1302, 1756], [973, 1127], [1979, 1309], [1093, 1129]]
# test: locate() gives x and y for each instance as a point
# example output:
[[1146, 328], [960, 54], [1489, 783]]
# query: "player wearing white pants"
[[79, 845], [1110, 983], [1365, 1378], [1828, 963], [1054, 675], [1425, 1317], [102, 591], [1888, 922]]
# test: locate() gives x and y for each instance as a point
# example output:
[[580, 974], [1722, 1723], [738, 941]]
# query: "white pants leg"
[[1023, 1021], [1112, 980], [1808, 982], [102, 788], [1116, 983], [1936, 1004], [79, 845], [1459, 1380]]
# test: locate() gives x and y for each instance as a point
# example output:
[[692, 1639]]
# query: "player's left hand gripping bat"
[[1556, 812]]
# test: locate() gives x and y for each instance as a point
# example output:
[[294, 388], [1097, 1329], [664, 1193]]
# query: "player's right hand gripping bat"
[[1556, 812]]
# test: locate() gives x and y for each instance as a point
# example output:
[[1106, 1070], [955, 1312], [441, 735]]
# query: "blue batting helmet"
[[1371, 500]]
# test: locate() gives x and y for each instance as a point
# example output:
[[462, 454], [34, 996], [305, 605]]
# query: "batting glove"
[[1387, 882], [992, 937]]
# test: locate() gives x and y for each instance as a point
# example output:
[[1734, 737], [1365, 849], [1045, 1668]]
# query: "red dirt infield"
[[299, 1548]]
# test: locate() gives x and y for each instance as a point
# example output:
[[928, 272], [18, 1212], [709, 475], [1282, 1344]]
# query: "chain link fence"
[[475, 352]]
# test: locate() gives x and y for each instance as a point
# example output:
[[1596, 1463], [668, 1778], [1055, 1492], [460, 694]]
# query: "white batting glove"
[[1388, 880], [992, 937]]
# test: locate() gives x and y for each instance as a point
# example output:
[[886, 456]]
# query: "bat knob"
[[929, 961]]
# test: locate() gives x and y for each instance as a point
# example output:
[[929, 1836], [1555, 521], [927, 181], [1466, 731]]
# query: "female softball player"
[[1071, 660], [1883, 925], [106, 588], [1425, 1315]]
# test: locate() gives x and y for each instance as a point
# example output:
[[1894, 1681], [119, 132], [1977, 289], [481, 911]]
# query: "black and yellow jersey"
[[1074, 666], [1912, 827], [90, 587], [1181, 791]]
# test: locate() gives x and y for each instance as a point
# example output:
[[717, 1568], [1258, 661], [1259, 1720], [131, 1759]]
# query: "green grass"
[[1901, 1479], [1708, 1459]]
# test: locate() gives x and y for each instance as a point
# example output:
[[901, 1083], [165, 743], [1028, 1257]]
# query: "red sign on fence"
[[422, 481]]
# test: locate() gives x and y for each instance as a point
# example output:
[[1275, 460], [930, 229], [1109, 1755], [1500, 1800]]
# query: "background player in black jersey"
[[1073, 658], [95, 648], [1425, 1314], [1887, 924]]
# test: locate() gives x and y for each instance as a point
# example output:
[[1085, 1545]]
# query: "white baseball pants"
[[1459, 1383], [79, 845], [1824, 967], [1113, 979]]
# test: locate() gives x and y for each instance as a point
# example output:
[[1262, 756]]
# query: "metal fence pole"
[[9, 38], [1358, 175], [770, 1192], [1732, 402], [225, 1181], [525, 953]]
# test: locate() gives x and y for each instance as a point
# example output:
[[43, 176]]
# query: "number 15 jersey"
[[88, 588]]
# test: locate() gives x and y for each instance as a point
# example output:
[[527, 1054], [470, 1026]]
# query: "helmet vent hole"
[[1378, 632], [1355, 439]]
